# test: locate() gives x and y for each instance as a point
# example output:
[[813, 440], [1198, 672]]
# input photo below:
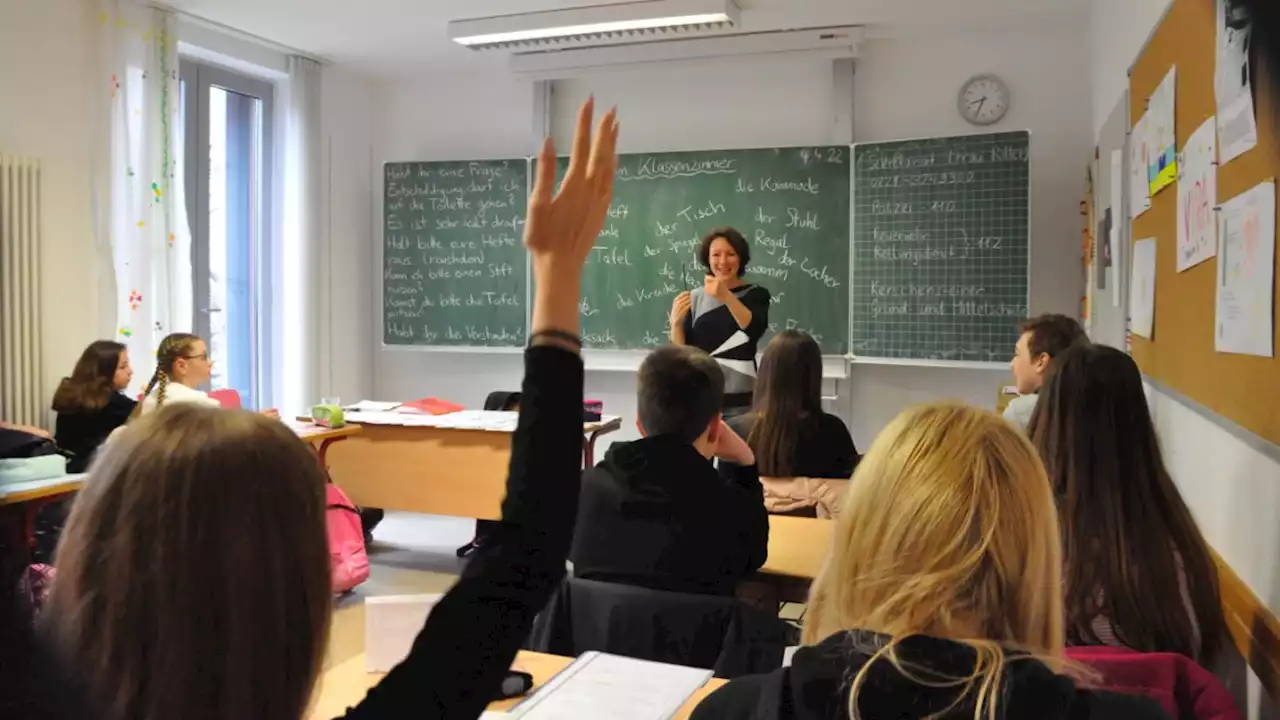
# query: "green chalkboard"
[[792, 205], [940, 247], [454, 267]]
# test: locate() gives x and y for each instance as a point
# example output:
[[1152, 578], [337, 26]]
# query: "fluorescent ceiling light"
[[593, 21], [593, 28]]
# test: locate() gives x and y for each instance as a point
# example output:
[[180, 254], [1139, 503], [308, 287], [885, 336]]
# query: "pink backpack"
[[348, 563]]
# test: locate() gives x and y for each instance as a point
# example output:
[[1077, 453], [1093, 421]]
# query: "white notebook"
[[391, 623], [597, 686]]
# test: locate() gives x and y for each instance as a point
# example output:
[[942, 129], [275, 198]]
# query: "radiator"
[[21, 398]]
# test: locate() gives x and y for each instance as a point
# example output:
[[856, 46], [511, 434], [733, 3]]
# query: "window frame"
[[197, 79]]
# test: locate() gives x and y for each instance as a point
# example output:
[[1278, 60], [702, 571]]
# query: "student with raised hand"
[[938, 598], [1043, 338], [90, 403], [193, 575], [182, 366], [787, 429], [1137, 573], [654, 512]]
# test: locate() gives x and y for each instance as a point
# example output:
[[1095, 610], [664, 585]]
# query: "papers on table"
[[372, 406], [490, 421], [597, 685], [1142, 288], [1197, 194], [1246, 272]]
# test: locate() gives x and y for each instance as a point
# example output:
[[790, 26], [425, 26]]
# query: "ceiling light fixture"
[[623, 17]]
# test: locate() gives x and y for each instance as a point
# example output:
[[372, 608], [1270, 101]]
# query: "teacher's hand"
[[680, 307], [716, 288]]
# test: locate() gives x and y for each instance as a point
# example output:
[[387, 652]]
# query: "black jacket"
[[81, 433], [816, 687], [655, 513], [459, 659], [717, 633]]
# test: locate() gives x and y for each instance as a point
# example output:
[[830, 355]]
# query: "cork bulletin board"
[[1244, 389]]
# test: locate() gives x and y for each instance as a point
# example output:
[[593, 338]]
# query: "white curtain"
[[138, 188], [298, 354]]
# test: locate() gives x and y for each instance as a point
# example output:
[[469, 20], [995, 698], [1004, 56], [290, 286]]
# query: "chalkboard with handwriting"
[[791, 204], [454, 268], [940, 247]]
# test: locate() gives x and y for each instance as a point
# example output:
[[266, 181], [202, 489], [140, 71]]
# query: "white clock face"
[[984, 100]]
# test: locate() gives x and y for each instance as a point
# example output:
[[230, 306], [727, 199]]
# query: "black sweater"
[[816, 687], [462, 654], [656, 514], [824, 448], [81, 433]]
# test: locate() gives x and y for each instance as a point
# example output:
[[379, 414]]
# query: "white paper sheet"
[[1113, 237], [1237, 128], [1139, 189], [1142, 288], [1197, 195], [597, 686], [1246, 273], [391, 622], [1162, 153], [372, 406]]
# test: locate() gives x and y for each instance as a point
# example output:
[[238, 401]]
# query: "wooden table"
[[436, 471], [326, 436], [36, 490], [344, 681], [797, 546]]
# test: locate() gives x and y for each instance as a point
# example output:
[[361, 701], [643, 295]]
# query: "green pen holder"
[[330, 416]]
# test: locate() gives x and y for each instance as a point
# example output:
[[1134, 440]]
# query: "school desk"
[[39, 490], [312, 433], [433, 470], [344, 682]]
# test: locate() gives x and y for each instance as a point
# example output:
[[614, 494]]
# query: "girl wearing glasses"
[[182, 366]]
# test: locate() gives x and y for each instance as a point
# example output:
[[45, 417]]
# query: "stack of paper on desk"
[[597, 685]]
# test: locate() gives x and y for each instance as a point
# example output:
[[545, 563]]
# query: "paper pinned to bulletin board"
[[1197, 193], [1162, 148], [1232, 85], [1246, 272], [1139, 188], [1142, 288]]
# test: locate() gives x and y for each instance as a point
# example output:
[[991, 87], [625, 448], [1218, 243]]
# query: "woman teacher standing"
[[726, 317]]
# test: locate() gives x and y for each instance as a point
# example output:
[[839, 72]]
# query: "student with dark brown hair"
[[787, 429], [193, 576], [90, 403], [1137, 571]]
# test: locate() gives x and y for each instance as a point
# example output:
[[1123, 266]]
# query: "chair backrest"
[[1178, 684], [227, 397], [501, 400], [706, 631]]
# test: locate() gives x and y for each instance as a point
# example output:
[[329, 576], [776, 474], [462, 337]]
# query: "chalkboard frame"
[[379, 260], [924, 362]]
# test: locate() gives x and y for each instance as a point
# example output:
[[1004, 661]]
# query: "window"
[[226, 122]]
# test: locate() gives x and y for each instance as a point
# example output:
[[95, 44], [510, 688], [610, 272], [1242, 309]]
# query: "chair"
[[704, 631], [227, 397], [805, 497], [1178, 684]]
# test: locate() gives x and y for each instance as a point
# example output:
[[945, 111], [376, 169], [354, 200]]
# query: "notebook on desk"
[[598, 685]]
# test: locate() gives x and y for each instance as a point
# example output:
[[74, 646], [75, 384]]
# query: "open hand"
[[562, 229]]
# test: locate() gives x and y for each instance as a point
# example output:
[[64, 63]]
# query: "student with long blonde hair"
[[193, 577], [182, 366], [940, 596]]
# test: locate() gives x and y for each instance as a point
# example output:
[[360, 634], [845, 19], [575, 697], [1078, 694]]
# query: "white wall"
[[45, 98], [1118, 31]]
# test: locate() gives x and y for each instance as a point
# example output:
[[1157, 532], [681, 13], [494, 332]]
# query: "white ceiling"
[[392, 37]]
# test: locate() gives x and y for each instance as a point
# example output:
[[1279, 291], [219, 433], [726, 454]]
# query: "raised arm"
[[459, 659]]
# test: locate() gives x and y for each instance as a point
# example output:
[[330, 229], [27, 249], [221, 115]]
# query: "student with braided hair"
[[182, 365]]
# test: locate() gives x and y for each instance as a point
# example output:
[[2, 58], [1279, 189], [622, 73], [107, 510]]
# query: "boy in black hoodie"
[[655, 513]]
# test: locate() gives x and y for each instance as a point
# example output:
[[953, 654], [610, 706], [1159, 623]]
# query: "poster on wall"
[[1139, 189], [1246, 273], [1162, 148], [1142, 288], [1232, 85], [1197, 194]]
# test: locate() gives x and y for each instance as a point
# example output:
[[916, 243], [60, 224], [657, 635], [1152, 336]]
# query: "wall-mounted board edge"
[[833, 366], [1244, 435], [511, 350], [914, 362]]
